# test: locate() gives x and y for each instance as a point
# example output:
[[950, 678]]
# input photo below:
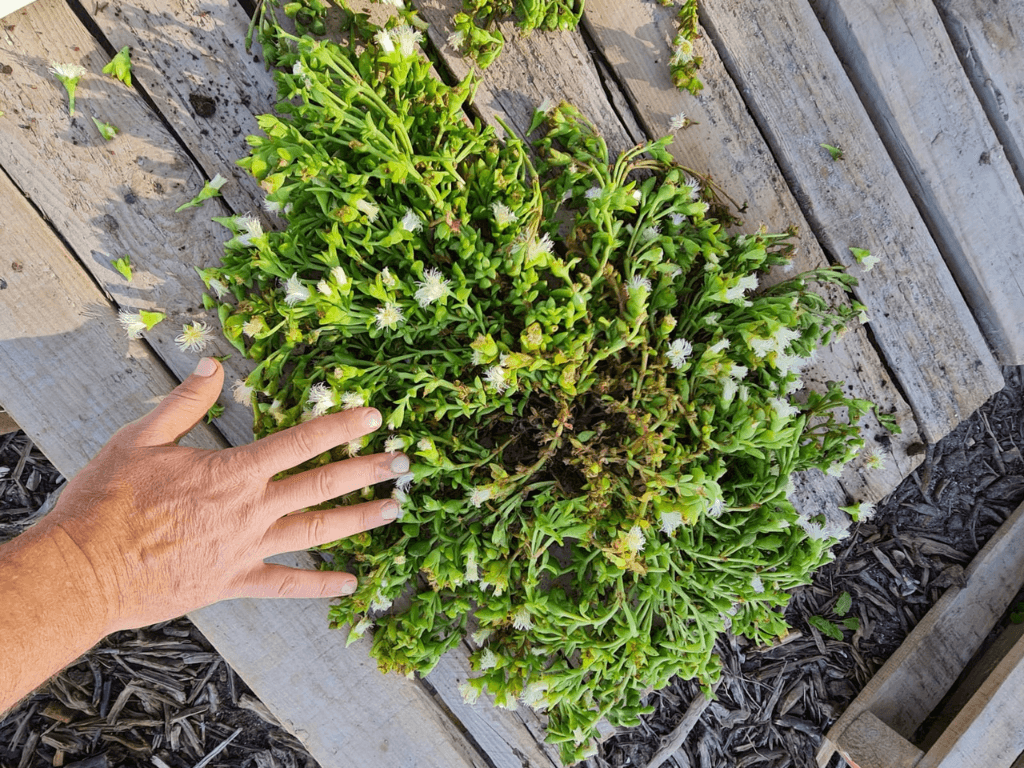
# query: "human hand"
[[168, 529]]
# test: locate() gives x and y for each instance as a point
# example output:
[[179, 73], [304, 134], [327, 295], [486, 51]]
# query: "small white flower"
[[339, 276], [433, 288], [634, 540], [242, 392], [394, 444], [425, 444], [132, 323], [470, 693], [69, 71], [353, 447], [670, 521], [784, 337], [276, 411], [383, 38], [497, 377], [321, 397], [834, 470], [522, 620], [380, 602], [218, 288], [534, 694], [865, 511], [251, 229], [694, 185], [744, 284], [729, 389], [488, 659], [638, 284], [351, 400], [473, 574], [678, 351], [456, 40], [649, 233], [503, 215], [593, 193], [360, 628], [869, 261], [677, 122], [404, 482], [716, 509], [761, 347], [546, 105], [295, 291], [324, 287], [368, 209], [299, 70], [387, 279], [738, 372], [875, 459], [194, 337], [536, 247], [678, 219], [481, 635], [389, 316], [784, 408], [719, 346], [757, 585], [411, 222], [406, 37], [479, 495]]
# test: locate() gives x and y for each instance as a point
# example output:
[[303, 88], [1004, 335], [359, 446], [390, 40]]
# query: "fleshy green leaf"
[[826, 627], [120, 67], [123, 265], [210, 189], [107, 131], [151, 318], [836, 152]]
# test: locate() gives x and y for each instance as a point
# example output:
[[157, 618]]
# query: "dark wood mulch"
[[162, 696], [774, 705], [159, 697]]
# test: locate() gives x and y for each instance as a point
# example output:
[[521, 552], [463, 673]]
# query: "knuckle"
[[316, 528], [289, 586]]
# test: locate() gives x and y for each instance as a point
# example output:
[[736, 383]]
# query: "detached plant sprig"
[[604, 416]]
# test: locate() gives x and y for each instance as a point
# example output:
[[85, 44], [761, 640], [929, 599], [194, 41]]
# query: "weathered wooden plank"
[[725, 142], [108, 199], [987, 38], [70, 378], [906, 71], [987, 733], [918, 675], [800, 96], [870, 743]]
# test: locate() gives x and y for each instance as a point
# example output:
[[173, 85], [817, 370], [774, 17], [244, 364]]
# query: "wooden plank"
[[870, 743], [987, 733], [915, 678], [800, 96], [987, 38], [724, 141], [108, 199], [70, 378], [906, 71]]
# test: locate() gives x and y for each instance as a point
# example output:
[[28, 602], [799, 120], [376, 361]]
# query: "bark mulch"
[[161, 696]]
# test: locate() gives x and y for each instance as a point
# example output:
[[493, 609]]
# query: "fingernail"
[[400, 464], [349, 587], [207, 367], [373, 420], [389, 511]]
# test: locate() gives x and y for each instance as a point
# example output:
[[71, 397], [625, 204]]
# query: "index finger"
[[290, 447]]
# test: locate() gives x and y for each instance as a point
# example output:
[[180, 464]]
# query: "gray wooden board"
[[901, 59], [797, 89], [870, 743], [725, 143], [71, 379], [915, 678], [987, 38]]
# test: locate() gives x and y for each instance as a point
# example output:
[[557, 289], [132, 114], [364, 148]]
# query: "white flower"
[[716, 508], [295, 291], [324, 287], [784, 337], [593, 193], [380, 602], [353, 447], [389, 315], [738, 372], [132, 323], [218, 288], [339, 276], [404, 482], [678, 219], [479, 495], [522, 620], [387, 279], [649, 233], [321, 397], [251, 229], [481, 635], [729, 388], [719, 346], [694, 186], [456, 39], [394, 444], [433, 288], [794, 386], [497, 377], [761, 347], [677, 122], [406, 37], [360, 628], [383, 38], [712, 318], [369, 209], [784, 408], [470, 693], [242, 392], [865, 511], [670, 521], [472, 574], [271, 206], [503, 215], [351, 400], [634, 540], [411, 222], [869, 261], [488, 659], [399, 4], [638, 196], [276, 411], [830, 530], [744, 284], [678, 351], [69, 71], [834, 470], [756, 584], [874, 459], [546, 105], [536, 247], [194, 337], [534, 694], [299, 70], [638, 284]]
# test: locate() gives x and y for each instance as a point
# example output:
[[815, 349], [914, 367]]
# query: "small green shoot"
[[123, 265], [120, 67], [840, 609], [835, 152], [151, 318], [215, 412], [864, 258], [107, 131], [210, 189]]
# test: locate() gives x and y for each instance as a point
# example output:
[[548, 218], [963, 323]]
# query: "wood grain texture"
[[870, 743], [915, 678], [901, 59], [801, 97], [108, 199], [987, 733], [987, 38], [725, 143]]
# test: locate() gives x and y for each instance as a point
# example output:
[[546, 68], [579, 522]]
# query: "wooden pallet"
[[70, 379], [987, 730]]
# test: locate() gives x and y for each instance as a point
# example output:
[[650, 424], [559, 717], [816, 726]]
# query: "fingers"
[[281, 581], [316, 486], [290, 447], [311, 529], [184, 407]]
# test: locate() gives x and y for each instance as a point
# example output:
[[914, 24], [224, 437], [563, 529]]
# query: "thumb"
[[181, 410]]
